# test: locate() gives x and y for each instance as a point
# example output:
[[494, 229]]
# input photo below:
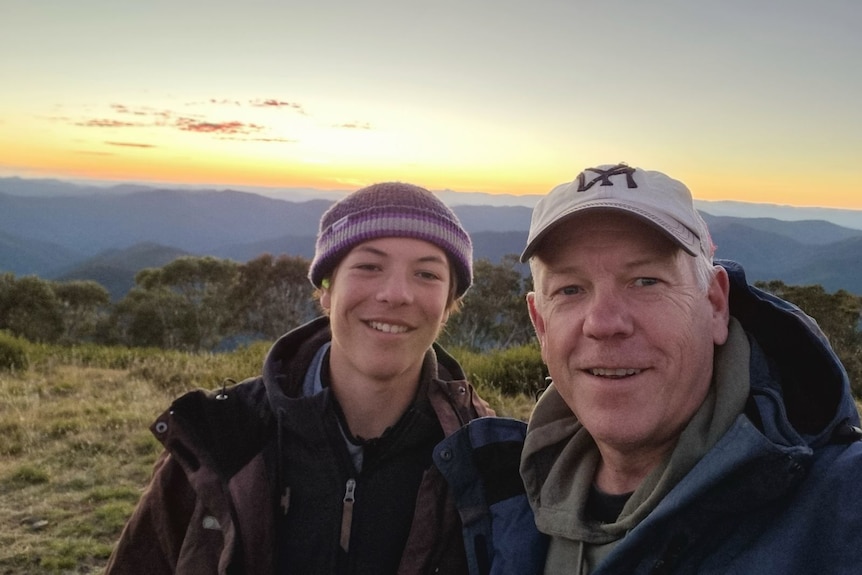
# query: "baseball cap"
[[652, 196]]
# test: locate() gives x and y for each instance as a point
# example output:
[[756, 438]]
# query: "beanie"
[[391, 209]]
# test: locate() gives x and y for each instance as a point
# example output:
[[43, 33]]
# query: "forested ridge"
[[209, 304]]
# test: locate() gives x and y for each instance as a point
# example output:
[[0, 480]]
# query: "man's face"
[[387, 303], [626, 332]]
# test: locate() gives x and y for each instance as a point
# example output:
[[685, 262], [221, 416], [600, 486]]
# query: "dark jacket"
[[779, 491], [235, 461]]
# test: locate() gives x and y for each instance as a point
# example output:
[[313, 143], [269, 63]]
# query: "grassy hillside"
[[75, 450]]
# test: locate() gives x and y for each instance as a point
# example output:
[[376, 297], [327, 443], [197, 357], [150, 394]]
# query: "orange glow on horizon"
[[158, 166]]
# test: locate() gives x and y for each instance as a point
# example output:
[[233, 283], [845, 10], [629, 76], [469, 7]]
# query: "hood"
[[807, 377], [798, 396], [288, 360]]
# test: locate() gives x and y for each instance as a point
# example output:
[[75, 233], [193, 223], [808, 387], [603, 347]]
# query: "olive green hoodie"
[[560, 459]]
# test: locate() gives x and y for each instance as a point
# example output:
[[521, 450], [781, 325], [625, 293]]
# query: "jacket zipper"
[[347, 513]]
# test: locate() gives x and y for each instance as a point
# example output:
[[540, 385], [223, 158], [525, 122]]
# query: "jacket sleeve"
[[481, 465], [153, 537]]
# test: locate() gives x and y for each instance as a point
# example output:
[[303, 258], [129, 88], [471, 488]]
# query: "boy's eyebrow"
[[370, 249], [433, 258]]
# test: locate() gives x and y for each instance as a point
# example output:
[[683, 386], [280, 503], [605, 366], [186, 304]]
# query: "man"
[[695, 424]]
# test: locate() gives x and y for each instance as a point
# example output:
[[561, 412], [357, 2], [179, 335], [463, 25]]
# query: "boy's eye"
[[367, 266]]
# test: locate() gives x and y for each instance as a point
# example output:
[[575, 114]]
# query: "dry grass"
[[75, 449], [74, 455]]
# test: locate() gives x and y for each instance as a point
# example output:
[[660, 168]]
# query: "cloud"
[[272, 103], [120, 108], [354, 125], [268, 140], [131, 116], [130, 144], [106, 123], [161, 116], [233, 127]]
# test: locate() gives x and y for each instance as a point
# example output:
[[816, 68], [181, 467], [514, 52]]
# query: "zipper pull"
[[347, 513]]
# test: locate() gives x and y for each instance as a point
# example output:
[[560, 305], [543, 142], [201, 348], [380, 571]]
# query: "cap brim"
[[666, 228]]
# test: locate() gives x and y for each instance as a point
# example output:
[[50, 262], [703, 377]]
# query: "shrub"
[[13, 353], [513, 371]]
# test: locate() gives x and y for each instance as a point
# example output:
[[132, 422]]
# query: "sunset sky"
[[751, 100]]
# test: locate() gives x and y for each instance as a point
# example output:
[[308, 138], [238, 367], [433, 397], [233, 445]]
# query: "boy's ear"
[[325, 293]]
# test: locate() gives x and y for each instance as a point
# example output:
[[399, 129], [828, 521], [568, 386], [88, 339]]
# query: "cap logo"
[[604, 177]]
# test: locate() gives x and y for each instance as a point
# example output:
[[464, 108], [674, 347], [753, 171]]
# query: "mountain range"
[[62, 231]]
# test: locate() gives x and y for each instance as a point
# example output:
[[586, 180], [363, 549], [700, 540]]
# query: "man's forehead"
[[605, 224]]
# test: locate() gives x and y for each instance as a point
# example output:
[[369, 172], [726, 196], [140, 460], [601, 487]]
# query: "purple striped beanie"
[[391, 209]]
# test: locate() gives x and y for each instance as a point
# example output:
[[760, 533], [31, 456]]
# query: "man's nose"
[[608, 315]]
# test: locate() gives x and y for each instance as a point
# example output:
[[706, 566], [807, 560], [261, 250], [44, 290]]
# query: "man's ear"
[[719, 297], [536, 319]]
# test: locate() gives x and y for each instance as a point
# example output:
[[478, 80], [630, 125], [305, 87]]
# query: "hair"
[[704, 270]]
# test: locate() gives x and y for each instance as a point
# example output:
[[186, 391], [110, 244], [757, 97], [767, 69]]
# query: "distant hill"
[[110, 236], [765, 255], [835, 266], [33, 257], [845, 218], [187, 220], [24, 187], [286, 244], [116, 269], [804, 231]]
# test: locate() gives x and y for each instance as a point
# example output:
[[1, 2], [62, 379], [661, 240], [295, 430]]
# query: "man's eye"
[[569, 290], [644, 282]]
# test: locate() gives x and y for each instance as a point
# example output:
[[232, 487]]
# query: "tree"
[[494, 312], [187, 300], [837, 314], [83, 304], [271, 295], [30, 309], [154, 317]]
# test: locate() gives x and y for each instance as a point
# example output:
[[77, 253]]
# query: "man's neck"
[[623, 471]]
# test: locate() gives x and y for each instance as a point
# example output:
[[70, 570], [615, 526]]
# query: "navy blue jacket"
[[781, 490]]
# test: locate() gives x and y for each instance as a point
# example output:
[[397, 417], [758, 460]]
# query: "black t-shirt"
[[604, 507]]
